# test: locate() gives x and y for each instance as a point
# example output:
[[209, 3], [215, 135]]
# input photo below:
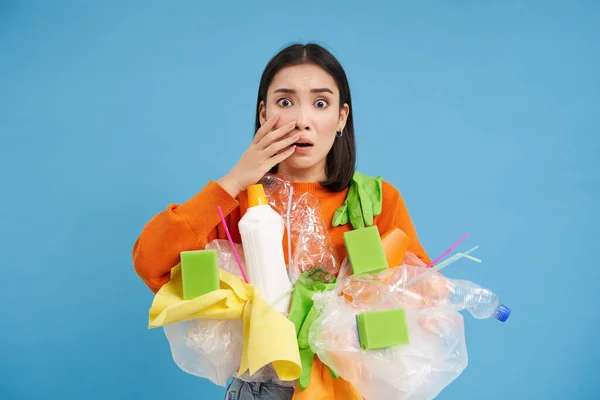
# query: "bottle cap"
[[502, 313], [256, 195]]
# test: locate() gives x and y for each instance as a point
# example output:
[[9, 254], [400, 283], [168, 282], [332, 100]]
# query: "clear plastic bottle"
[[261, 230], [482, 303]]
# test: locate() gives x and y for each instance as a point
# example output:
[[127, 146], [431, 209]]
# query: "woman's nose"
[[302, 120]]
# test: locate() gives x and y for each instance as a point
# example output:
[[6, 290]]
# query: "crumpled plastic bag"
[[210, 348], [312, 249], [435, 356], [207, 348]]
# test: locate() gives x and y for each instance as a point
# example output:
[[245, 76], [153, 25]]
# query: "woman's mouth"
[[303, 147]]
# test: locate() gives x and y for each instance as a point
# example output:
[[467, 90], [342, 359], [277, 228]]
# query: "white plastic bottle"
[[261, 230]]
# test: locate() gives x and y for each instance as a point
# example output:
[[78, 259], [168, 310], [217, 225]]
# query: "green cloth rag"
[[303, 314]]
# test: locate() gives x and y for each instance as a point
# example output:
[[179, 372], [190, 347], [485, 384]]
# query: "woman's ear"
[[262, 113], [344, 112]]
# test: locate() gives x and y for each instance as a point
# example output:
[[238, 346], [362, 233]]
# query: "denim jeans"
[[240, 390]]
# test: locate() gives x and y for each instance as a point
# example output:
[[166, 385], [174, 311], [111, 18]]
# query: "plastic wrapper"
[[312, 250], [436, 353], [388, 287], [227, 259]]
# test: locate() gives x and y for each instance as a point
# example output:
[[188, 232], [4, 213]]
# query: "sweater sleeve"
[[403, 220], [188, 226]]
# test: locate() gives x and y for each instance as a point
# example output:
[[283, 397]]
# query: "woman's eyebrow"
[[291, 91], [321, 90], [284, 90]]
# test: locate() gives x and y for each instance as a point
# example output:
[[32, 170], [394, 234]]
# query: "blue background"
[[485, 116]]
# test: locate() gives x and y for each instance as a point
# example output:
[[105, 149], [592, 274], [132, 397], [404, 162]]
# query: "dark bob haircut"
[[341, 159]]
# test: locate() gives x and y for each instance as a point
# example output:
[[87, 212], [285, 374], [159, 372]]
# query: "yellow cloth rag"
[[269, 337]]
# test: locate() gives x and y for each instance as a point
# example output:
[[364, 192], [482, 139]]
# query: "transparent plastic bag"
[[420, 287], [207, 348], [436, 354], [388, 288], [210, 348], [312, 249], [227, 259]]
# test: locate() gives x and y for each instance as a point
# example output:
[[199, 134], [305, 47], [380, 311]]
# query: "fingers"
[[377, 209], [281, 144], [340, 217], [273, 136], [354, 211], [366, 205], [266, 128], [281, 156]]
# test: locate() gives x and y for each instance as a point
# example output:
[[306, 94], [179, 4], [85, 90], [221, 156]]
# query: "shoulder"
[[389, 189], [391, 198], [390, 195]]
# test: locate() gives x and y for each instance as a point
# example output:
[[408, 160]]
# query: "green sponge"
[[365, 250], [199, 272], [382, 329]]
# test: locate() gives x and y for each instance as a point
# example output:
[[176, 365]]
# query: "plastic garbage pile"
[[430, 352], [391, 326]]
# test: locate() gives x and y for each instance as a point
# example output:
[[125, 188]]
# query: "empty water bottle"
[[482, 303]]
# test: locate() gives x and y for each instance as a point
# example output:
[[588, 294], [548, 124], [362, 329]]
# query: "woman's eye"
[[321, 103], [284, 102]]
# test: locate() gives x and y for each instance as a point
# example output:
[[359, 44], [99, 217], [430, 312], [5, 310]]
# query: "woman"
[[304, 130]]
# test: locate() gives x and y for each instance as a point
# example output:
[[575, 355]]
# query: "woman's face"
[[308, 95]]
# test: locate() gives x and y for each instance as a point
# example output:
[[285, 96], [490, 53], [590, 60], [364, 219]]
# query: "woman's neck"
[[312, 174]]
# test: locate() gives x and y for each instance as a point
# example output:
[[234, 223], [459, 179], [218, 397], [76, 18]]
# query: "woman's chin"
[[299, 162]]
